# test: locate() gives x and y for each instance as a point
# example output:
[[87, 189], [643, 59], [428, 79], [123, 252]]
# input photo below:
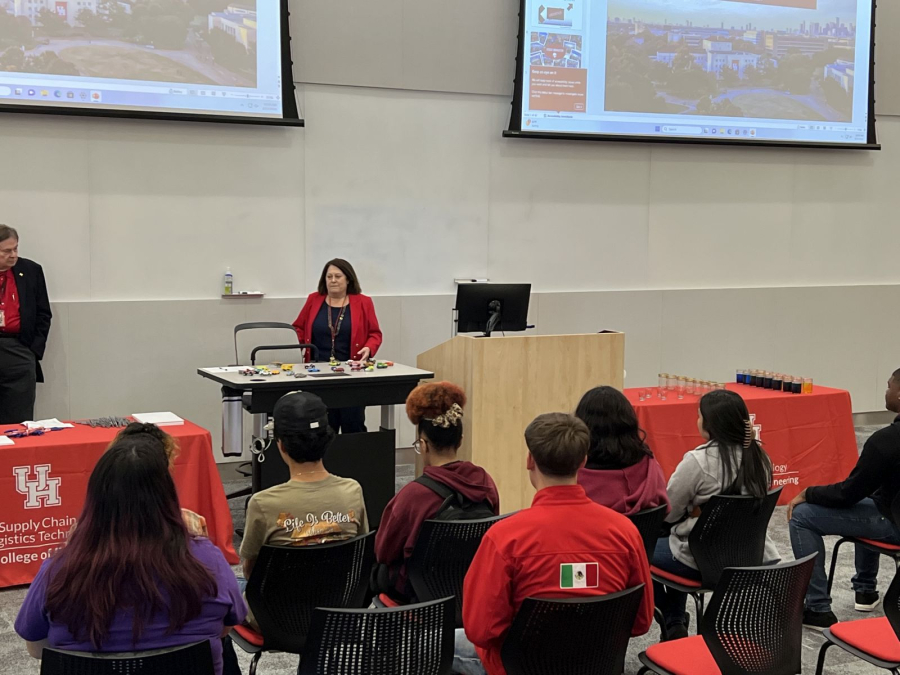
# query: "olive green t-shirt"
[[301, 514]]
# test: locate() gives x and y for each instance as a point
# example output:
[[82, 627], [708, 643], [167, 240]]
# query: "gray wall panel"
[[117, 358], [351, 42], [887, 58]]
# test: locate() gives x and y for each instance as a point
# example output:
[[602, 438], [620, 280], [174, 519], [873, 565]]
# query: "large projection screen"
[[754, 72], [211, 60]]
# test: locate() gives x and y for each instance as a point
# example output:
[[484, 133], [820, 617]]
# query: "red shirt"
[[9, 303], [527, 555], [364, 331]]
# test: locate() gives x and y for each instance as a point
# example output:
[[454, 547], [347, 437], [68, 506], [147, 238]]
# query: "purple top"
[[226, 609]]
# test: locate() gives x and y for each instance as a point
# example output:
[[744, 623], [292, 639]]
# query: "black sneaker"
[[866, 602], [818, 620], [676, 631]]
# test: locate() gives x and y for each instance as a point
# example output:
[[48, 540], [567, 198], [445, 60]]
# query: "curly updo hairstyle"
[[436, 410]]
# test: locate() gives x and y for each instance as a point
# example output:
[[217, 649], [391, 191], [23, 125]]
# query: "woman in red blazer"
[[341, 322]]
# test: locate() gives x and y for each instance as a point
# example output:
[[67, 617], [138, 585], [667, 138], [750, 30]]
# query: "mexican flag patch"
[[579, 575]]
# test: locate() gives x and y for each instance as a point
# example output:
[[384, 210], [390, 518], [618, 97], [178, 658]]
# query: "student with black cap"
[[314, 506]]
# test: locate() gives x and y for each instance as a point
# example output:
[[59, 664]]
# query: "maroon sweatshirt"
[[629, 490], [403, 516]]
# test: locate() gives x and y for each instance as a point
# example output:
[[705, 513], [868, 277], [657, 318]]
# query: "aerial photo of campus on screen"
[[778, 59], [185, 41]]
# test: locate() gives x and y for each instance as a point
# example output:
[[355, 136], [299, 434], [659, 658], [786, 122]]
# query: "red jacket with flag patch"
[[564, 546]]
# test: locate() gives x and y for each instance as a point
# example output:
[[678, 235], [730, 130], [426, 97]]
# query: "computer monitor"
[[489, 307]]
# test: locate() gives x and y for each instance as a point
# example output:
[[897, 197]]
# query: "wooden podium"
[[511, 380]]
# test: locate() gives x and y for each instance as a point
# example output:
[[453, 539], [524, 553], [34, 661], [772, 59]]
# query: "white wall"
[[710, 258]]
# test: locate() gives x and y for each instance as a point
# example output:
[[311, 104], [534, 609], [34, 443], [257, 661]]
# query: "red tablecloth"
[[43, 482], [809, 437]]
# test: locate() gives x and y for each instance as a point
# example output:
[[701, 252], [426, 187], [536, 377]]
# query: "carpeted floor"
[[15, 660]]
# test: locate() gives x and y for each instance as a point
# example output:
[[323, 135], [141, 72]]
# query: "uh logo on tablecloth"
[[40, 491]]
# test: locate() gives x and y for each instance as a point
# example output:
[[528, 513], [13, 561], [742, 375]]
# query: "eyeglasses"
[[418, 444]]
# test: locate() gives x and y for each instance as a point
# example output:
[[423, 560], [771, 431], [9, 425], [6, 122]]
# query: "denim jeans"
[[465, 658], [669, 601], [810, 522]]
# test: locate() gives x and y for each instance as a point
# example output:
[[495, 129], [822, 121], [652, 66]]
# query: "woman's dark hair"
[[430, 402], [617, 441], [353, 287], [727, 421], [129, 550], [169, 444]]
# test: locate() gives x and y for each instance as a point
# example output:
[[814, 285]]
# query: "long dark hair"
[[129, 549], [353, 287], [616, 439], [727, 421], [168, 443]]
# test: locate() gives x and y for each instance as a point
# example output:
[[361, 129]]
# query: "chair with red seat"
[[876, 640], [288, 582], [754, 625], [730, 532], [571, 636], [441, 557], [195, 659], [890, 550], [409, 640], [649, 524]]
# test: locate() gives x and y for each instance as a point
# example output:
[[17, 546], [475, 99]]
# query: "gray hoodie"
[[697, 478]]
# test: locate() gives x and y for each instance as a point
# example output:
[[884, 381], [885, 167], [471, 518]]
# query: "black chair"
[[574, 636], [649, 523], [441, 557], [288, 582], [195, 659], [270, 325], [892, 551], [754, 625], [409, 640], [876, 640], [730, 532]]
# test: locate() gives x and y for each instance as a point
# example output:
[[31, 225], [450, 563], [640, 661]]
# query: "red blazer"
[[364, 329]]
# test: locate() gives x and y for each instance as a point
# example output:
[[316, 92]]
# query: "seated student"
[[130, 577], [314, 506], [525, 555], [195, 523], [731, 462], [860, 506], [621, 472], [437, 411]]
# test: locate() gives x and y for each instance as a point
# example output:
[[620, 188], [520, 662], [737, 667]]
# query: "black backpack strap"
[[442, 490]]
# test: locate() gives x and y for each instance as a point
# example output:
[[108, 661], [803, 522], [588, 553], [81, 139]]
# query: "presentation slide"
[[195, 57], [757, 70]]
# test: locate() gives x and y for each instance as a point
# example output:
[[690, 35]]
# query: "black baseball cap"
[[298, 411]]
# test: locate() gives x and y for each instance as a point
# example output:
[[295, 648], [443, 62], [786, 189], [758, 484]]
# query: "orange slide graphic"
[[558, 89]]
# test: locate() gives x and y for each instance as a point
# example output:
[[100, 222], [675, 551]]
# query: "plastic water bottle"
[[229, 281]]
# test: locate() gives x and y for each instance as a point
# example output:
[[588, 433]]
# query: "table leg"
[[232, 423], [258, 446], [387, 417], [260, 420]]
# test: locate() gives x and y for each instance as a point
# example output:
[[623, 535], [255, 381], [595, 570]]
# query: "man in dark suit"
[[24, 326]]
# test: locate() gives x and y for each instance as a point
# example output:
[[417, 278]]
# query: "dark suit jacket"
[[34, 308]]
